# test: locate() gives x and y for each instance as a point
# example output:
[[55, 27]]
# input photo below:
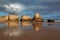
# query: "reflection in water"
[[12, 24], [13, 29], [37, 26], [25, 23], [50, 23]]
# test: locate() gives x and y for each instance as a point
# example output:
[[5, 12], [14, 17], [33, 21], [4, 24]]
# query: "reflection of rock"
[[37, 18], [50, 23], [25, 23], [12, 24], [13, 17], [37, 26], [50, 20], [25, 18], [13, 31], [3, 18]]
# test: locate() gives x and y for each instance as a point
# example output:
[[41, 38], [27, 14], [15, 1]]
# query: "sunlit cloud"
[[14, 7]]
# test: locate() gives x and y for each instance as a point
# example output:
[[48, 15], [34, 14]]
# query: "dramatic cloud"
[[45, 7], [14, 8], [51, 0]]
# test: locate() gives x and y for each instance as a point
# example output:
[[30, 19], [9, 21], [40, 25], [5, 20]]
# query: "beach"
[[30, 31]]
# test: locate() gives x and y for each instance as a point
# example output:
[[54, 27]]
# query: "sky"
[[48, 9]]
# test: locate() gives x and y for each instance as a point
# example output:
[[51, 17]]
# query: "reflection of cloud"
[[25, 23], [13, 31], [37, 26]]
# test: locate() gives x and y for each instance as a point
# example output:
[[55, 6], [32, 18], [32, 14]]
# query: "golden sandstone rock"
[[37, 18], [13, 17], [9, 18], [3, 18], [25, 18]]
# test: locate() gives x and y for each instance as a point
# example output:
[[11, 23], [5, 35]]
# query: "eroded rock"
[[3, 18], [37, 18], [13, 17], [25, 18]]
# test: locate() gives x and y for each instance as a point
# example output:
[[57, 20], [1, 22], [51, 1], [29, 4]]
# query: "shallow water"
[[29, 31]]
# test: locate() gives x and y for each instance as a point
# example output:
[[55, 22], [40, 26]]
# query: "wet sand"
[[34, 31]]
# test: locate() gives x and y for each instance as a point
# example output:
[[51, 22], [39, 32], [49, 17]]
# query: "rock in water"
[[37, 18], [25, 18], [50, 20]]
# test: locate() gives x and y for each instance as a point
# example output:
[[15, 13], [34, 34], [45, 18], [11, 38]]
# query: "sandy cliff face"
[[13, 17], [3, 18], [37, 17], [25, 18]]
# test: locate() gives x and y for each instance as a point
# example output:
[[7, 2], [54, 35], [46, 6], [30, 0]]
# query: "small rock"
[[50, 20]]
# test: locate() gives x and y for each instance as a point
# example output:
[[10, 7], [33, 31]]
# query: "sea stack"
[[13, 17], [37, 18], [26, 18], [3, 18]]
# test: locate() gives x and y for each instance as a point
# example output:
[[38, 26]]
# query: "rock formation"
[[50, 20], [13, 17], [37, 18], [3, 18], [25, 18]]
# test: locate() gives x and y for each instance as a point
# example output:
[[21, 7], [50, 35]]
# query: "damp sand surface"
[[29, 31]]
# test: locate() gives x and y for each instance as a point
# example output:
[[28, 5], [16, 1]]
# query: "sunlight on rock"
[[26, 18], [37, 17], [3, 18], [13, 17]]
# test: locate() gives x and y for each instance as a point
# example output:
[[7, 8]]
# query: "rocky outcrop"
[[25, 18], [50, 20], [3, 18], [13, 17], [37, 18]]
